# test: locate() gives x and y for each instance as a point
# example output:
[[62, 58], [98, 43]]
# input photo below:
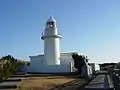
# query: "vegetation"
[[79, 61], [9, 65]]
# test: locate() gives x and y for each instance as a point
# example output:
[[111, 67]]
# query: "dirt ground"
[[43, 83]]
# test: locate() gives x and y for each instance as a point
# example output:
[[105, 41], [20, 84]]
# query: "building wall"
[[50, 69], [66, 58], [90, 72], [38, 64], [86, 69], [37, 60], [92, 66]]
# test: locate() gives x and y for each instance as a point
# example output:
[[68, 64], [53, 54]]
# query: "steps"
[[12, 82]]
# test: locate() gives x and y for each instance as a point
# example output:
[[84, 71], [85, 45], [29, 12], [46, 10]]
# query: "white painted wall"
[[38, 64], [50, 31], [50, 69], [92, 66], [37, 60], [52, 51], [66, 58], [89, 69]]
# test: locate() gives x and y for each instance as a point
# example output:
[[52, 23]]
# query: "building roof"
[[51, 19], [104, 64], [62, 53]]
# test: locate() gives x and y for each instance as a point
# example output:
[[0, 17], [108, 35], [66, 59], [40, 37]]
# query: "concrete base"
[[50, 69]]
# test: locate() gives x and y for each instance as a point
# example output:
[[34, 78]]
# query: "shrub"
[[9, 66]]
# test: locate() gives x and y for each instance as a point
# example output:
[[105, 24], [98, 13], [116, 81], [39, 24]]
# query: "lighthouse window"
[[50, 23]]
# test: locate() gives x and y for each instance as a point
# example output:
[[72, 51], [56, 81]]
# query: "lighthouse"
[[52, 61], [51, 39]]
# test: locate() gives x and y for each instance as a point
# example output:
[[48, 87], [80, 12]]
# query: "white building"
[[52, 61], [38, 64]]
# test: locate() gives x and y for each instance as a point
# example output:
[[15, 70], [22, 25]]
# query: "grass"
[[43, 82]]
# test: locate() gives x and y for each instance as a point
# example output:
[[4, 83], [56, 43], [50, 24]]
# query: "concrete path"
[[11, 83], [101, 82], [8, 85]]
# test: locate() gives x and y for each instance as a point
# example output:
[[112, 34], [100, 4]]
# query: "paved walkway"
[[11, 83], [101, 82]]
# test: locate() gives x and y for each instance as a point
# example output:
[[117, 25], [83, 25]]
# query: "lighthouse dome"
[[51, 22], [51, 19]]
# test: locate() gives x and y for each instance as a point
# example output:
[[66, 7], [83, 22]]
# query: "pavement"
[[11, 83], [101, 82]]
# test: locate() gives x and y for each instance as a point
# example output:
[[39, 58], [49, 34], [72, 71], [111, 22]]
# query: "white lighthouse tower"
[[51, 39]]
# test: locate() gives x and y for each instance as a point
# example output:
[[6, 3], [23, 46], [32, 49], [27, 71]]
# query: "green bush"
[[9, 67]]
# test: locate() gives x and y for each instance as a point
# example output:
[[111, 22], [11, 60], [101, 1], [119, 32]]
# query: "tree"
[[10, 66], [79, 61], [8, 57]]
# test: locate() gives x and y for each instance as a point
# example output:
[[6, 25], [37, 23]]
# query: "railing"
[[43, 34]]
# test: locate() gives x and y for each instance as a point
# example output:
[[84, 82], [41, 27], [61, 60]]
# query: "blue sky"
[[91, 27]]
